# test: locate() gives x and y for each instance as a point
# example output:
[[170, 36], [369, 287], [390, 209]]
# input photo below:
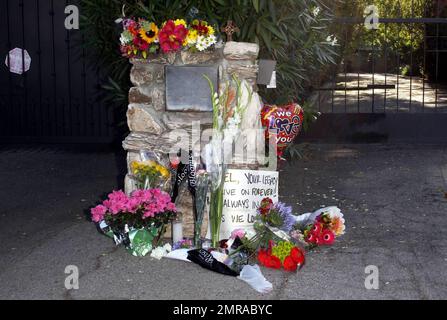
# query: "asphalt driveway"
[[393, 197]]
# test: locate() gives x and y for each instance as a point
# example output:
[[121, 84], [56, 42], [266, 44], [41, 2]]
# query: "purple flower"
[[182, 244], [287, 219]]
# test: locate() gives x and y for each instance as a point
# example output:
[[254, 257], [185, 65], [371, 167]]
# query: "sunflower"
[[149, 32]]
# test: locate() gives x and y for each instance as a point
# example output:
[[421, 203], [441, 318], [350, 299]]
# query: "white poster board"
[[243, 192]]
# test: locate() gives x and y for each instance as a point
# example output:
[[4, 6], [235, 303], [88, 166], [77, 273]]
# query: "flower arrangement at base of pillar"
[[141, 37], [280, 238], [150, 174], [137, 221]]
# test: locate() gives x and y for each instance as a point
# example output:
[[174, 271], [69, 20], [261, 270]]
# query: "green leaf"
[[256, 5]]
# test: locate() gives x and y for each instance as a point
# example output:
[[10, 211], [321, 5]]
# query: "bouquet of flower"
[[273, 224], [283, 254], [149, 174], [141, 37], [280, 237], [201, 36], [326, 227], [228, 111], [138, 220]]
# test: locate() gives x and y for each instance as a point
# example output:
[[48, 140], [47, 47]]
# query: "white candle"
[[177, 231]]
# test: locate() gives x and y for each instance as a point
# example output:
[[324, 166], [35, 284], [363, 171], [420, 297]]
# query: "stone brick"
[[143, 118], [147, 74], [157, 95], [156, 59], [241, 51], [136, 96], [201, 57], [184, 120], [160, 144]]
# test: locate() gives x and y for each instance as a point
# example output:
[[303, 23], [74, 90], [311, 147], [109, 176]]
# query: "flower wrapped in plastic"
[[137, 221], [229, 108], [149, 173]]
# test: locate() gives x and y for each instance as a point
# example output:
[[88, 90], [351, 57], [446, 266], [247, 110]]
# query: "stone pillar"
[[150, 123]]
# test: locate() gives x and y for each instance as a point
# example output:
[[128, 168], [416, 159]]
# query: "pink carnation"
[[238, 233], [98, 213]]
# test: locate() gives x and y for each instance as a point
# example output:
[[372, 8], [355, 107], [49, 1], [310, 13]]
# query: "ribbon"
[[188, 172]]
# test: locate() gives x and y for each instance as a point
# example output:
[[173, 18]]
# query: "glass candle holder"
[[177, 228]]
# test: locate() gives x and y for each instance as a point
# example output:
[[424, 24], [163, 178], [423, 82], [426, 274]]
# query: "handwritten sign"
[[243, 192]]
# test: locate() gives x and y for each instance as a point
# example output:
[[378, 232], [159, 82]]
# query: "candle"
[[177, 229]]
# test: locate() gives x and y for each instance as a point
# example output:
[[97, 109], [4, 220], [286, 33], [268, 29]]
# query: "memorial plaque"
[[187, 89]]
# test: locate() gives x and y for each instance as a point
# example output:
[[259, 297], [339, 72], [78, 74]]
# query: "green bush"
[[397, 40]]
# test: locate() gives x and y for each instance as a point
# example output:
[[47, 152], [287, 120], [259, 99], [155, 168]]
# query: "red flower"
[[175, 162], [271, 245], [317, 228], [262, 257], [328, 237], [298, 256], [266, 205], [290, 264], [311, 238], [171, 37], [273, 262], [267, 260]]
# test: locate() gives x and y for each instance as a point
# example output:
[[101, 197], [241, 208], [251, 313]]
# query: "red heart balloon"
[[282, 123]]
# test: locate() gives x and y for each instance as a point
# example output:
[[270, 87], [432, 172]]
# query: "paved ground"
[[393, 197], [403, 94]]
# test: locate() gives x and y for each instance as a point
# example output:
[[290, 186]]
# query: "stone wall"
[[150, 124]]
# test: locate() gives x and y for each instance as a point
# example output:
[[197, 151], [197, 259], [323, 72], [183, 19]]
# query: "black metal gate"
[[57, 99], [377, 76]]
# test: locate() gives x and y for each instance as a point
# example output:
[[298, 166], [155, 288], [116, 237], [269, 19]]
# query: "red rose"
[[290, 264], [266, 205], [273, 262], [262, 257], [328, 237], [298, 256]]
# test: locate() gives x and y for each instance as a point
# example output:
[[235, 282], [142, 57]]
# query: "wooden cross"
[[229, 29]]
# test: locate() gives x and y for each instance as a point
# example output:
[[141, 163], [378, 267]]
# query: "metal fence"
[[382, 77], [57, 99]]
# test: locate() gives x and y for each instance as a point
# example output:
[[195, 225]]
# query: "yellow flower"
[[165, 172], [180, 22], [135, 167], [191, 38], [151, 34], [211, 30]]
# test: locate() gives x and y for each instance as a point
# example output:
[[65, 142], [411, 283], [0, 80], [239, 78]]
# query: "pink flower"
[[171, 207], [98, 213], [328, 237], [238, 233]]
